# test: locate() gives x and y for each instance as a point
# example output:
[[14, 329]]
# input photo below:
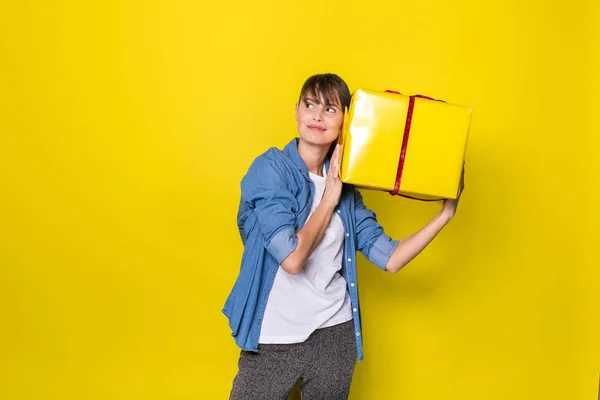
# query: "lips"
[[316, 128]]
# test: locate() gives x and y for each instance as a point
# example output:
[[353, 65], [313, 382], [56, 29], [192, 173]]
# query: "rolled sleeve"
[[267, 195], [381, 250], [283, 244], [371, 240]]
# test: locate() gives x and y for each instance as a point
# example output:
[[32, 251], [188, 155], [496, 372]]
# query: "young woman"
[[294, 309]]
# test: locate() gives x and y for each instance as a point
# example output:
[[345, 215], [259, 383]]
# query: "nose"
[[318, 115]]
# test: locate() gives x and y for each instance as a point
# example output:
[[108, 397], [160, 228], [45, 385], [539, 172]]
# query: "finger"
[[335, 161], [333, 167], [331, 164]]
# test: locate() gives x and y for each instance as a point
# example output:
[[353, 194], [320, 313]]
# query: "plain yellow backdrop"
[[125, 127]]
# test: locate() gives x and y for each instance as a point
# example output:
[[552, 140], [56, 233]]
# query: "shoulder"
[[271, 168], [267, 164], [350, 191], [355, 197]]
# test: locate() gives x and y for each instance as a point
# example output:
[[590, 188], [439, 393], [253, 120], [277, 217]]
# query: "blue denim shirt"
[[277, 194]]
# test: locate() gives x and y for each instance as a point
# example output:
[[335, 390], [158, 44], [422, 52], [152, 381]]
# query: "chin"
[[318, 139], [319, 142]]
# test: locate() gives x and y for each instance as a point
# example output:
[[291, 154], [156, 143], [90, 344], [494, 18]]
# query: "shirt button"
[[354, 309], [352, 284], [349, 260], [357, 333], [347, 234], [338, 211]]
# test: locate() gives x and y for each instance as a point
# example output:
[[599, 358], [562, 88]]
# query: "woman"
[[294, 308]]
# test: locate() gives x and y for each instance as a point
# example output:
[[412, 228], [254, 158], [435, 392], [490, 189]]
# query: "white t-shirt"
[[317, 296]]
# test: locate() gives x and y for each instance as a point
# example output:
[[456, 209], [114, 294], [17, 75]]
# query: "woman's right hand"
[[311, 234], [333, 185]]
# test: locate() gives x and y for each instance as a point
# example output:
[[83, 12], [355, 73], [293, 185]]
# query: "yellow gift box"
[[407, 145]]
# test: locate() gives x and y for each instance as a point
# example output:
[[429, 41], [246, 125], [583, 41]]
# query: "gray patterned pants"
[[324, 363]]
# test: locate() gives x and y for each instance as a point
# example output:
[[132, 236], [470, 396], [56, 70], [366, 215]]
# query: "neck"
[[313, 156]]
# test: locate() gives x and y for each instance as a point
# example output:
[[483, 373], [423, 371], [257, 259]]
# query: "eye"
[[331, 109], [308, 105]]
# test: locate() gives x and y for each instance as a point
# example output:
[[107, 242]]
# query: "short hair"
[[330, 87]]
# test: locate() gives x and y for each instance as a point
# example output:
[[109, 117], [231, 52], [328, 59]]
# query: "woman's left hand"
[[450, 205]]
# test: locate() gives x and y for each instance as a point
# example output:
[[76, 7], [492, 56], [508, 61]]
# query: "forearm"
[[309, 237], [412, 245]]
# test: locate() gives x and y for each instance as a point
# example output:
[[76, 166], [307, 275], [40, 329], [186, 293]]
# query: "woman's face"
[[318, 123]]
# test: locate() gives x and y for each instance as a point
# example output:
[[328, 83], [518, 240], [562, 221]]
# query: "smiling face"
[[319, 122], [320, 109]]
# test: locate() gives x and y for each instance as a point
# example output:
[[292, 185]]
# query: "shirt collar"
[[291, 150]]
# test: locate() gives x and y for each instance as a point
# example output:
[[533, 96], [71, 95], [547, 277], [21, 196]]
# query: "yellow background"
[[126, 126]]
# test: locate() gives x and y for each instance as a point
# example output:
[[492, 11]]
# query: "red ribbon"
[[407, 125]]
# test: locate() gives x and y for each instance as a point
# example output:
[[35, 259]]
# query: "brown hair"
[[330, 87]]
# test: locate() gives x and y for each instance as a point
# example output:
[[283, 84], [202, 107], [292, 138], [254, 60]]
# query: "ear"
[[296, 112]]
